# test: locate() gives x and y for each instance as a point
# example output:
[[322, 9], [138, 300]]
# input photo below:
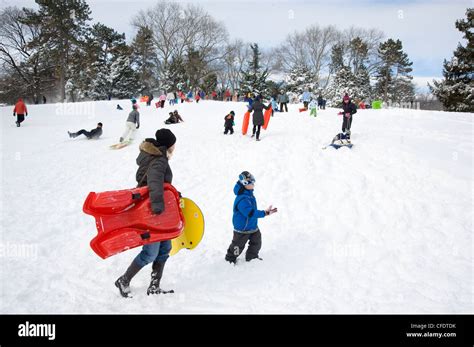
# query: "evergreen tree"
[[300, 79], [124, 79], [274, 88], [343, 82], [110, 72], [337, 57], [393, 79], [81, 74], [174, 77], [362, 83], [456, 91], [358, 52], [209, 83], [145, 59], [196, 67], [254, 79], [63, 25]]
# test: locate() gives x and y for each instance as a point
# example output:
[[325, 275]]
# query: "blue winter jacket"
[[274, 105], [246, 214], [306, 96]]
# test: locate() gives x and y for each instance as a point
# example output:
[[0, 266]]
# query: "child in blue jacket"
[[245, 220]]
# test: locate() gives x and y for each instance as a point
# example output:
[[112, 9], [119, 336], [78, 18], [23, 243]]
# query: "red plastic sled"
[[266, 117], [245, 124], [124, 219]]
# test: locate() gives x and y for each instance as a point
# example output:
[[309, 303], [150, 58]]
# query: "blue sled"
[[339, 146]]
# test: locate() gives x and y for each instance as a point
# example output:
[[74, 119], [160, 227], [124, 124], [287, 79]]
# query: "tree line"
[[57, 51]]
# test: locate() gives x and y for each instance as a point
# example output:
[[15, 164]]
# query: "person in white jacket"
[[133, 123], [170, 97]]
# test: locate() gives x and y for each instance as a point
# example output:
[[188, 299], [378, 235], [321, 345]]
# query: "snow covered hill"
[[383, 228]]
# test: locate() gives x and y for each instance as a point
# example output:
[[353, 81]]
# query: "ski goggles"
[[246, 178]]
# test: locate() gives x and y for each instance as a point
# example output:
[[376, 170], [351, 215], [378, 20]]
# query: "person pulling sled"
[[348, 110]]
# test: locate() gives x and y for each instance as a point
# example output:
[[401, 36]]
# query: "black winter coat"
[[153, 162], [95, 133], [229, 123], [350, 107], [257, 108]]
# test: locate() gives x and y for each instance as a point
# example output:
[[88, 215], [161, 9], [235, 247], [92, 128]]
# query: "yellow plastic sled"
[[193, 228]]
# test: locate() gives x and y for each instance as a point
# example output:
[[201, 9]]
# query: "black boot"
[[253, 259], [123, 282], [156, 275], [232, 260]]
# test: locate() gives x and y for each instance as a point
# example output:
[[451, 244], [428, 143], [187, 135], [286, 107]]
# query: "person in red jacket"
[[20, 111], [227, 95]]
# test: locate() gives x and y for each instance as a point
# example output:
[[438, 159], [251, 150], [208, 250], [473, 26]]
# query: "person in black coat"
[[320, 102], [348, 109], [153, 171], [150, 98], [93, 134], [229, 123], [258, 120]]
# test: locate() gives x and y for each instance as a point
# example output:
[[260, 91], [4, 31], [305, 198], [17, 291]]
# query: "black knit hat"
[[232, 113], [165, 137]]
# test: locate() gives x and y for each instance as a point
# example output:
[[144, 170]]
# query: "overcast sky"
[[426, 28]]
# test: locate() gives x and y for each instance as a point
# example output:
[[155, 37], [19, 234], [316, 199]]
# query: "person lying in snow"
[[93, 134], [174, 118]]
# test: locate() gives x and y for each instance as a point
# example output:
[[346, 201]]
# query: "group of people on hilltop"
[[255, 105], [175, 97], [180, 96], [225, 95]]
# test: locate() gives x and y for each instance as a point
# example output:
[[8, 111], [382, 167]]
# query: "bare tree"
[[29, 66], [179, 30], [229, 70], [310, 48], [164, 22], [292, 51], [319, 42]]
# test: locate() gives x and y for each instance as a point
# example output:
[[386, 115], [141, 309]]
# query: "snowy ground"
[[383, 228]]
